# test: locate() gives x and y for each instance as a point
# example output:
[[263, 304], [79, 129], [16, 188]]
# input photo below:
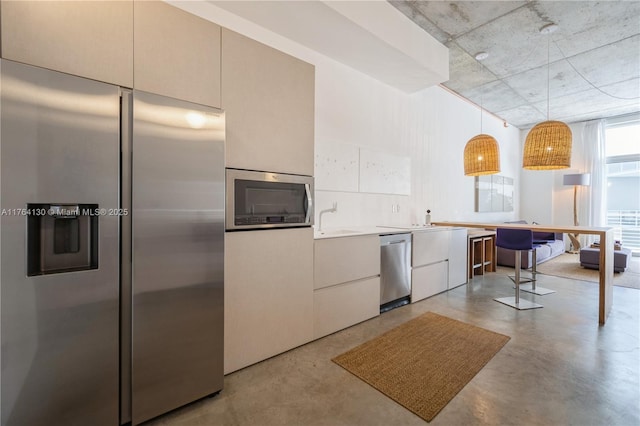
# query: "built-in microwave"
[[264, 200]]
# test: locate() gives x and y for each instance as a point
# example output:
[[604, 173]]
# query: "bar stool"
[[518, 240], [531, 288]]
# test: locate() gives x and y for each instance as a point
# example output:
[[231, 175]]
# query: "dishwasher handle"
[[395, 242], [389, 239]]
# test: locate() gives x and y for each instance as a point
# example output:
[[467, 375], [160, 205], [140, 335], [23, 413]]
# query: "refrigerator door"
[[59, 146], [178, 253]]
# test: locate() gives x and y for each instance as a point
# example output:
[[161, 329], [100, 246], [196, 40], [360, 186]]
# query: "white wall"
[[445, 124], [431, 127], [548, 200]]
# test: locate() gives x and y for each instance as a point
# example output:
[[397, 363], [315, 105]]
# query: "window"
[[622, 150]]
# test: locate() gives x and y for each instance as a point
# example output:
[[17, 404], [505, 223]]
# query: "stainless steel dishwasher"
[[395, 270]]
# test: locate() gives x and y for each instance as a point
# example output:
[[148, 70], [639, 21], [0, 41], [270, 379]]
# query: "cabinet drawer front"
[[344, 305], [430, 247], [429, 280], [339, 260]]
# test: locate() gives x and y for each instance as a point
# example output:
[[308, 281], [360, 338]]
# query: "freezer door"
[[59, 146], [178, 254]]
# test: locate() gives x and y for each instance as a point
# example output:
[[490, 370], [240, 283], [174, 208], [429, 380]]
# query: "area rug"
[[568, 266], [423, 363]]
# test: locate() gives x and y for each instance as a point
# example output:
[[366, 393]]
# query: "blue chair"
[[518, 240], [530, 288]]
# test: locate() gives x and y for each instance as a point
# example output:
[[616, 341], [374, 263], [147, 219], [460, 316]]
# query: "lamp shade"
[[583, 179], [548, 146], [481, 156]]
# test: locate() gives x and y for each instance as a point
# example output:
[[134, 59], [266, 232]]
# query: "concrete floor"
[[559, 367]]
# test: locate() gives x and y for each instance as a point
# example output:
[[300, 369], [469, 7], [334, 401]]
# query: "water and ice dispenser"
[[61, 238]]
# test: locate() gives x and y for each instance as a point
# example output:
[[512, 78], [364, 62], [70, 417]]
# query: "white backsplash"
[[361, 209]]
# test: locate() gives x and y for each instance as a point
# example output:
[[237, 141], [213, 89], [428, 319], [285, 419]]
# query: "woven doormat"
[[423, 363]]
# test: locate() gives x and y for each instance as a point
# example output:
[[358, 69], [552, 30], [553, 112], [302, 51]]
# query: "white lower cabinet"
[[284, 289], [430, 246], [346, 282], [344, 305], [439, 261], [268, 294], [458, 258], [429, 280]]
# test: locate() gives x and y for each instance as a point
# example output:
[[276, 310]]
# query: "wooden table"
[[606, 253]]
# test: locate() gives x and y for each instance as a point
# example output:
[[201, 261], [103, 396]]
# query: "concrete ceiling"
[[594, 64]]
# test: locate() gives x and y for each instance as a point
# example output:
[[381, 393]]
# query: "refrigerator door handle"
[[126, 148]]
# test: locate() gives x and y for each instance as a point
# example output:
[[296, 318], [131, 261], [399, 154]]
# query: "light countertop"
[[352, 231]]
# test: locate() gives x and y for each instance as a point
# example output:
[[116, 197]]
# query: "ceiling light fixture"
[[548, 144], [481, 153]]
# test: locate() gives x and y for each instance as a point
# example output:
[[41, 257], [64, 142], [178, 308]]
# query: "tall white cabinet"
[[268, 99]]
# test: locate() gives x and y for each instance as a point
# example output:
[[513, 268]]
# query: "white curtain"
[[595, 161]]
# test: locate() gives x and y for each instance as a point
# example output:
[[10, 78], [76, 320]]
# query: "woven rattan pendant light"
[[548, 144], [481, 153], [481, 156]]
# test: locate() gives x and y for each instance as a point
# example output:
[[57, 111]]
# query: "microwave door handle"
[[307, 188]]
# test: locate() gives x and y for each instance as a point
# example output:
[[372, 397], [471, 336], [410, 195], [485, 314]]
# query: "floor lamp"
[[578, 179]]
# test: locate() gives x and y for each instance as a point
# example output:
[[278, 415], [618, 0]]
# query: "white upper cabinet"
[[268, 98], [176, 54], [88, 39]]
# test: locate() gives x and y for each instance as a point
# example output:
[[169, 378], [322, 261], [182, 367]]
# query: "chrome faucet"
[[331, 210]]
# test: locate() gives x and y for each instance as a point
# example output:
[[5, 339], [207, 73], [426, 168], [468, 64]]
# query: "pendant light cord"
[[481, 95], [548, 75]]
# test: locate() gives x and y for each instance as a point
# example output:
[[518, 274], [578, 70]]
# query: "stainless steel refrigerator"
[[112, 250]]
